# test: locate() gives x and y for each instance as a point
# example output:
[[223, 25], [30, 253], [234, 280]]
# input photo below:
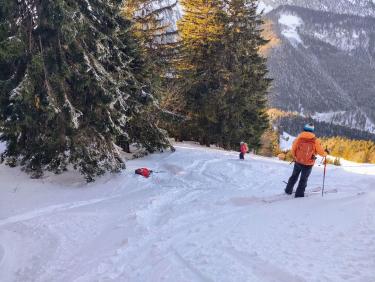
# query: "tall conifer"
[[223, 77], [155, 30], [73, 86], [200, 70], [243, 109]]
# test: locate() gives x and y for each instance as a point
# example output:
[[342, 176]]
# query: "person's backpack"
[[305, 152]]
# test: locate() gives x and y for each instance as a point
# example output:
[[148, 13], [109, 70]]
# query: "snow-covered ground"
[[208, 217], [286, 141]]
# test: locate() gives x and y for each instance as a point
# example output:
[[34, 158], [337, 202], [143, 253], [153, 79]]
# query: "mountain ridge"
[[324, 65]]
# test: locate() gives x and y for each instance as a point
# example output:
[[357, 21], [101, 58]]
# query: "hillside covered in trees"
[[353, 150], [293, 125]]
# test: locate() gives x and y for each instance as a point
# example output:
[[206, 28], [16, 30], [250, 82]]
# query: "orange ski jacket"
[[310, 137]]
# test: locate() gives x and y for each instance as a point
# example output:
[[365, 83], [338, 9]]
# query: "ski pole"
[[324, 174]]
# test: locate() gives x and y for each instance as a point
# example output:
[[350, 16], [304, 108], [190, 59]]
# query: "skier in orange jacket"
[[304, 151]]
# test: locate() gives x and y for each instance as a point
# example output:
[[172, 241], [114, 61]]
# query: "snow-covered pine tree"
[[71, 86]]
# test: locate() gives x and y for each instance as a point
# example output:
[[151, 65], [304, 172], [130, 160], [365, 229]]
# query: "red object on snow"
[[244, 149], [145, 172]]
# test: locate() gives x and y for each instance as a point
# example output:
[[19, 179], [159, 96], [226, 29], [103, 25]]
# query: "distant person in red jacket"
[[244, 149]]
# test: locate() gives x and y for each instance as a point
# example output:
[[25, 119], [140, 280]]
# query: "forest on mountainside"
[[293, 124], [353, 150]]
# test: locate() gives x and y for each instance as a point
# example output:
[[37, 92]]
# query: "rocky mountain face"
[[324, 66]]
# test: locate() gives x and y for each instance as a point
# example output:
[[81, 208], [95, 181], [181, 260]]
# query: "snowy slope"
[[209, 217]]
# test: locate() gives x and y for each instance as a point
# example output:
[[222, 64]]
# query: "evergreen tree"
[[73, 86], [153, 21], [223, 75], [199, 67], [155, 33], [243, 103]]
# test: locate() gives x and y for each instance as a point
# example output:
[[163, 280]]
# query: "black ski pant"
[[242, 156], [304, 171]]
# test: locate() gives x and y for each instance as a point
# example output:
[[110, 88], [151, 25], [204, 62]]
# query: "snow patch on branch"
[[28, 8], [89, 7], [76, 114], [16, 92]]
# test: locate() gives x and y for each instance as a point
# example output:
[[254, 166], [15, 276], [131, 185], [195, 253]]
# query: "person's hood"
[[307, 135]]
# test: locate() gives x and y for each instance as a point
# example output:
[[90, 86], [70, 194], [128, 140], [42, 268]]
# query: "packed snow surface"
[[207, 217]]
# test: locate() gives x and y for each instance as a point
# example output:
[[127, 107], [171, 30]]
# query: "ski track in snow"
[[51, 209], [209, 217]]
